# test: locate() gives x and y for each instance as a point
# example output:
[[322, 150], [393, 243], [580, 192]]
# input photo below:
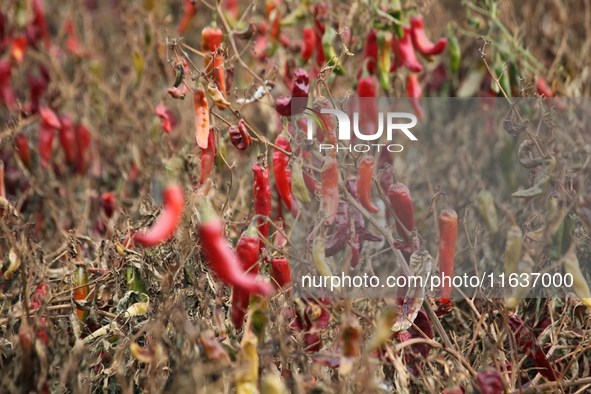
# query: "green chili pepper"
[[571, 266], [298, 184], [455, 54], [488, 211], [385, 39], [394, 9], [567, 233], [542, 181], [513, 249], [329, 37]]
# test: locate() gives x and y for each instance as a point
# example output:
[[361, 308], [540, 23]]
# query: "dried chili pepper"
[[22, 144], [222, 259], [329, 121], [189, 12], [488, 210], [287, 106], [542, 180], [352, 337], [415, 93], [217, 97], [422, 327], [309, 43], [328, 39], [361, 231], [571, 266], [330, 189], [213, 349], [455, 54], [298, 183], [385, 40], [420, 40], [211, 40], [364, 182], [49, 122], [513, 248], [167, 117], [201, 108], [262, 196], [239, 135], [83, 142], [80, 293], [281, 272], [524, 155], [247, 372], [338, 240], [282, 172], [448, 230], [68, 139], [207, 157], [355, 244], [167, 222], [407, 53], [401, 203], [247, 250]]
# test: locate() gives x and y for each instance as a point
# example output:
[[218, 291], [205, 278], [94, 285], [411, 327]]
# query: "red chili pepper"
[[329, 121], [368, 104], [189, 13], [370, 55], [41, 293], [49, 122], [108, 204], [420, 40], [422, 327], [342, 232], [68, 139], [286, 106], [37, 86], [273, 18], [39, 21], [364, 183], [80, 293], [211, 39], [355, 244], [448, 230], [7, 95], [22, 143], [360, 229], [239, 135], [222, 259], [247, 250], [17, 49], [207, 157], [490, 381], [309, 43], [543, 88], [282, 173], [401, 203], [167, 118], [330, 189], [263, 198], [281, 272], [415, 93], [320, 11], [167, 222], [83, 141], [407, 53], [201, 109]]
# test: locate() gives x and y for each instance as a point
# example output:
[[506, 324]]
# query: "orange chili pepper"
[[201, 108]]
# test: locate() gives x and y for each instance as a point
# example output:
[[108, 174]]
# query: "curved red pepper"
[[189, 13], [83, 142], [368, 104], [330, 189], [448, 230], [247, 250], [415, 93], [407, 53], [281, 272], [263, 198], [309, 43], [283, 173], [223, 260], [207, 157], [167, 117], [68, 139], [168, 222], [286, 106], [329, 121], [364, 182], [401, 203], [420, 40], [239, 135]]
